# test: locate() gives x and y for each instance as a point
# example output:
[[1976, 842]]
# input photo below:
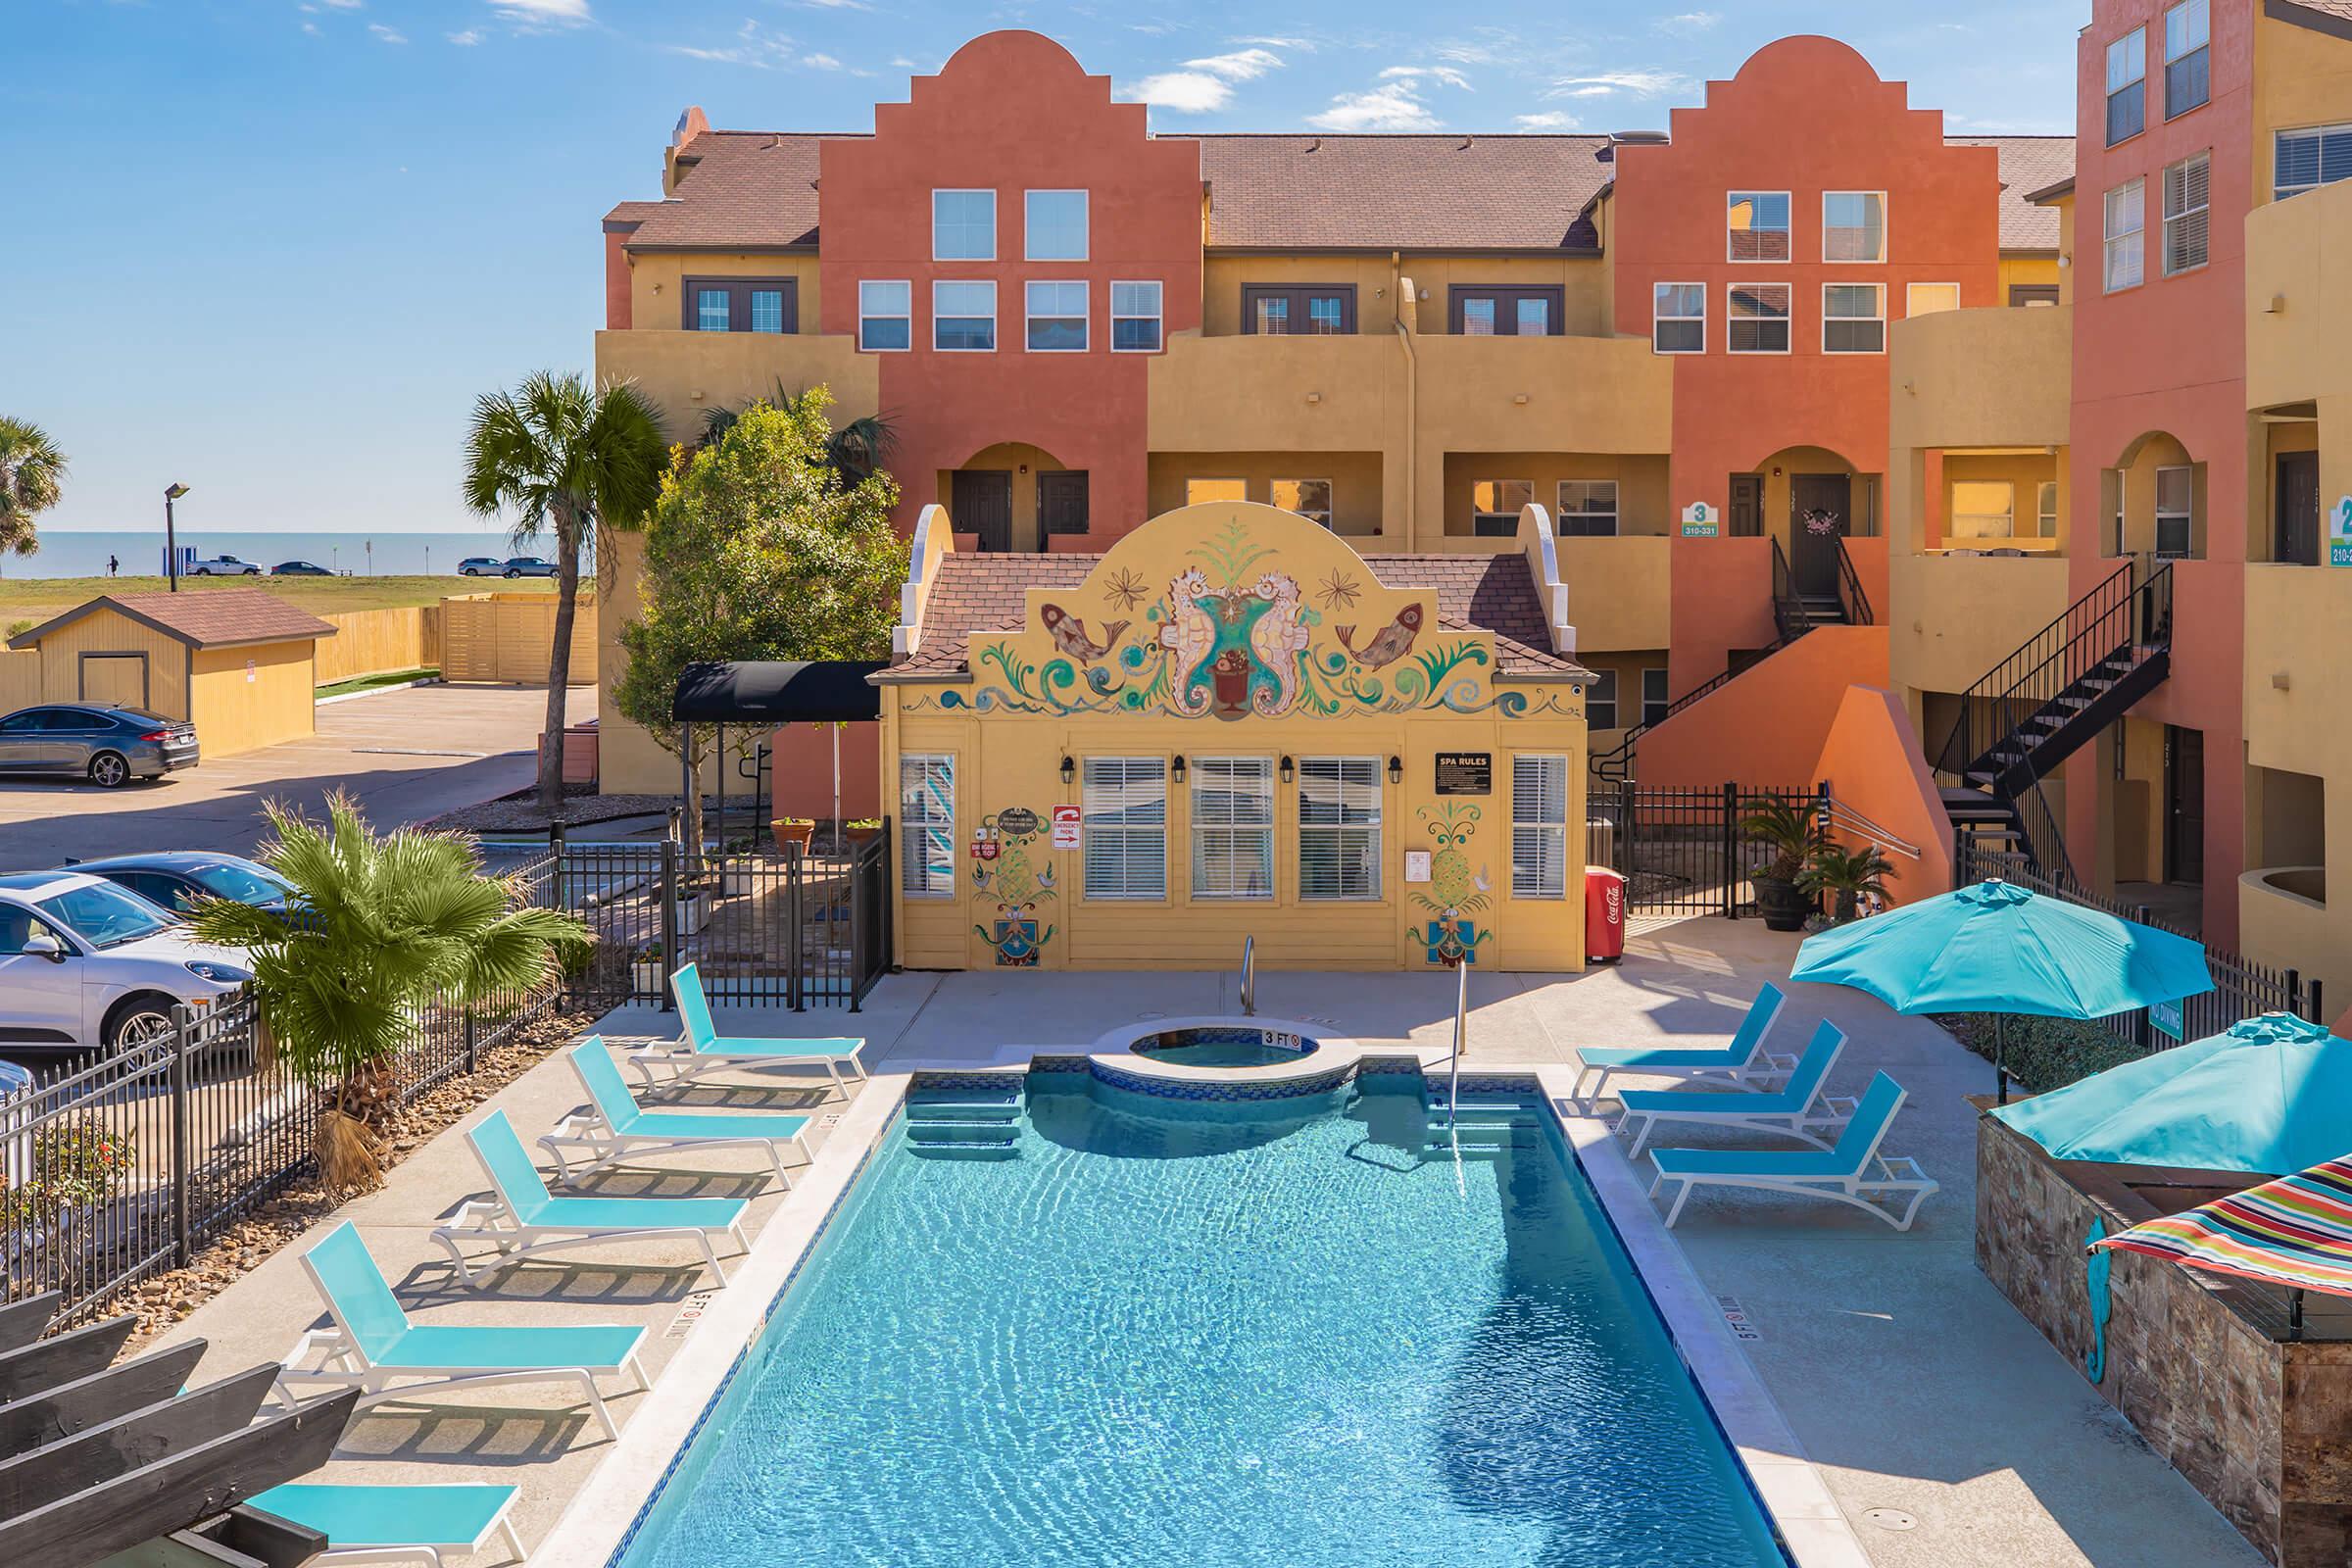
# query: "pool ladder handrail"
[[1248, 977], [1462, 1035]]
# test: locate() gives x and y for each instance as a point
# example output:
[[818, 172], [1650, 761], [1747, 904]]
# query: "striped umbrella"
[[2295, 1231]]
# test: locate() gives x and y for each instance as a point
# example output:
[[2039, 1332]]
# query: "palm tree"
[[379, 927], [557, 453], [1848, 875], [855, 453], [30, 469]]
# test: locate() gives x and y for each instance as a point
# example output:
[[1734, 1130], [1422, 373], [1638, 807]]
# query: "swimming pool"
[[1065, 1322]]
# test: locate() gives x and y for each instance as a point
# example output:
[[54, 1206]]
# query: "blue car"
[[175, 879]]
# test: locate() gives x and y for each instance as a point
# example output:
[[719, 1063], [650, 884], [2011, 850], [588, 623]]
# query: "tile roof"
[[2322, 16], [983, 592], [2029, 163], [221, 617], [1509, 191]]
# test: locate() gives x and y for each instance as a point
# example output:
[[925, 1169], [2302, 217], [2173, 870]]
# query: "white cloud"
[[467, 39], [1204, 86], [343, 5], [1439, 73], [1637, 84], [1463, 51], [836, 5], [1392, 107], [311, 28], [1551, 120], [384, 34], [1688, 24], [542, 13], [820, 61], [1303, 46], [1243, 64]]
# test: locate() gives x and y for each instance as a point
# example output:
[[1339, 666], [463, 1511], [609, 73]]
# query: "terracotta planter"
[[794, 833], [863, 835]]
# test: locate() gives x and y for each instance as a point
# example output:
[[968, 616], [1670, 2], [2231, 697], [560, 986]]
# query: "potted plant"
[[1847, 876], [795, 831], [380, 927], [863, 829], [736, 875], [647, 972], [1791, 832]]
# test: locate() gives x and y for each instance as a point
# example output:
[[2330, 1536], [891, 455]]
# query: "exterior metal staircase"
[[1793, 614], [2047, 701]]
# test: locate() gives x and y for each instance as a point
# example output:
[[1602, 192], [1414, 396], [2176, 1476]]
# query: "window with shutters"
[[1758, 318], [2126, 225], [2176, 503], [927, 826], [1339, 828], [2187, 35], [1678, 314], [1124, 800], [2309, 157], [1233, 828], [1756, 225], [1588, 508], [1853, 226], [2127, 86], [2186, 195], [1539, 827], [1853, 319]]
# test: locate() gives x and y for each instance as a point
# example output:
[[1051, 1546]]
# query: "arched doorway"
[[1013, 496], [1808, 499]]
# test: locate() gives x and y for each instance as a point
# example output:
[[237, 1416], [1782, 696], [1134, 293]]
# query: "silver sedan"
[[108, 746]]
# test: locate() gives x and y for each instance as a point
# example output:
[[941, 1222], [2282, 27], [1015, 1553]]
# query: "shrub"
[[72, 1167], [2043, 1054]]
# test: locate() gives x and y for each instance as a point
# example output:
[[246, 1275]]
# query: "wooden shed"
[[238, 663]]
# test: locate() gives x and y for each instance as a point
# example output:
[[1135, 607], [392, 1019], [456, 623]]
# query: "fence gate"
[[1680, 847]]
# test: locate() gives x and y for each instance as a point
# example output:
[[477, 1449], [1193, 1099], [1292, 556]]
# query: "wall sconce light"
[[1519, 397], [1176, 769], [1314, 397], [1396, 770], [1070, 770], [1286, 770], [2280, 682]]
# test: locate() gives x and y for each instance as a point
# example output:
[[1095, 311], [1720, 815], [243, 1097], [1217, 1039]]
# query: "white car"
[[85, 963], [223, 566]]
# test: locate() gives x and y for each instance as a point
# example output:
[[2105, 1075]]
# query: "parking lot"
[[407, 756]]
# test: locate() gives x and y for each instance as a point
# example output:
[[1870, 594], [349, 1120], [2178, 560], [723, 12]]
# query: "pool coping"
[[1813, 1530], [600, 1524]]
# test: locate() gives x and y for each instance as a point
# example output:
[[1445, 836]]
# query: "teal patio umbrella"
[[2266, 1096], [2000, 949]]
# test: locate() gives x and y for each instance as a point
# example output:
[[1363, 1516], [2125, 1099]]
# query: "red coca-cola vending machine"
[[1604, 914]]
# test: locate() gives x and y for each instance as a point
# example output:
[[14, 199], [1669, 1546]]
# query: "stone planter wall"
[[2262, 1428]]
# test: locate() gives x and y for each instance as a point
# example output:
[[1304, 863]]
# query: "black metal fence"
[[1680, 847]]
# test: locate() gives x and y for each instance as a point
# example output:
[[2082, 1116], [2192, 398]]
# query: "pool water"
[[1078, 1326], [1224, 1046]]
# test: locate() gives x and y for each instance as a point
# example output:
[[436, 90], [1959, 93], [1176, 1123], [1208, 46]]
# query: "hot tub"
[[1224, 1046]]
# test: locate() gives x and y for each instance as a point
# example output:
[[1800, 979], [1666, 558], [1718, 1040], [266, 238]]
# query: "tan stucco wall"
[[1954, 617], [2295, 629], [2032, 270], [1355, 480], [655, 278], [1642, 504], [1628, 664], [2025, 473], [687, 373], [2302, 76], [1620, 591]]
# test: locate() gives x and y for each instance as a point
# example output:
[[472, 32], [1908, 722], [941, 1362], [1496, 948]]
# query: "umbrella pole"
[[2000, 1064], [2294, 1313]]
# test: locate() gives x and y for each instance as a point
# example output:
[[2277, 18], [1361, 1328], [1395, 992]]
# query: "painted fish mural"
[[1386, 645]]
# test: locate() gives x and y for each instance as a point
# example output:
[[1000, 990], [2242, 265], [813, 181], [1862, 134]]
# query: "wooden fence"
[[505, 638], [371, 642]]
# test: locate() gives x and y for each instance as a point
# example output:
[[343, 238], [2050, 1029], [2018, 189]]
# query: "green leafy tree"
[[759, 548], [379, 927], [32, 473], [856, 450], [558, 455]]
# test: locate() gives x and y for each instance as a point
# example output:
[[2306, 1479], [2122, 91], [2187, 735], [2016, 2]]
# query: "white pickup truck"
[[222, 567]]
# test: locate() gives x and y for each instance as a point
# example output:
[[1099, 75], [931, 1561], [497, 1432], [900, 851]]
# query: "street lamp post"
[[172, 493]]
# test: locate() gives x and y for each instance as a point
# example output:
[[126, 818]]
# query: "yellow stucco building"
[[1232, 724]]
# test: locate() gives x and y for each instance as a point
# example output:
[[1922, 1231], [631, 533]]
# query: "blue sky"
[[274, 248]]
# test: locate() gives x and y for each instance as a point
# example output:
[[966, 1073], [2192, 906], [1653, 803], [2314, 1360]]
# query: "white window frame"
[[1099, 830], [1885, 232], [1786, 318], [1878, 292], [1342, 831], [2202, 212], [1085, 317], [1157, 317], [931, 885], [1911, 300], [995, 334], [1200, 832], [1476, 512], [2322, 135], [1549, 836], [1211, 478], [964, 190], [2110, 238], [2045, 510], [2007, 514], [1086, 225], [1731, 196], [1274, 499], [1655, 318], [2187, 515], [864, 315], [1585, 512], [2114, 87], [2204, 42]]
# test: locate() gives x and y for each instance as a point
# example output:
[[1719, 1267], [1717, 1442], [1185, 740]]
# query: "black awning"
[[824, 691]]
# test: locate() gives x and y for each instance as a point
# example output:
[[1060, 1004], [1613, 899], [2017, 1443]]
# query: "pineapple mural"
[[1011, 887], [1457, 889]]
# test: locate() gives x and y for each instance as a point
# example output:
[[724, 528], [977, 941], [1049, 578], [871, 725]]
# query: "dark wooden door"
[[1062, 503], [982, 504], [2184, 804], [1820, 513], [2297, 503]]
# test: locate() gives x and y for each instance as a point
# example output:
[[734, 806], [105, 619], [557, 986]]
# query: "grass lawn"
[[368, 683], [35, 599]]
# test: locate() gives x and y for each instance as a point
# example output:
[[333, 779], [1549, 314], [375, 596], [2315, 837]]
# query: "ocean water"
[[384, 554], [1163, 1333]]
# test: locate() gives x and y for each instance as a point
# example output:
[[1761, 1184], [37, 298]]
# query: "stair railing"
[[1616, 765], [1843, 815], [1788, 610], [1850, 597], [2041, 668], [2044, 840], [1248, 977]]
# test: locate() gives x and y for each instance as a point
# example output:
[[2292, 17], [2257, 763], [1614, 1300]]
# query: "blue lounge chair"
[[373, 1345], [614, 1124], [526, 1220], [703, 1048], [395, 1524], [1844, 1174], [1744, 1063], [1792, 1109]]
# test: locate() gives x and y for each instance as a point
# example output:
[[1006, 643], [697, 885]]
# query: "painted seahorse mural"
[[1190, 633], [1278, 639]]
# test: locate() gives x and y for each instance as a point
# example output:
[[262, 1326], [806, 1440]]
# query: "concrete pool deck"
[[1946, 1431]]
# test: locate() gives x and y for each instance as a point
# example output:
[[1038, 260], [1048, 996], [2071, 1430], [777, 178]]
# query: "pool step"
[[1005, 1151], [960, 1131], [964, 1109], [965, 1124]]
